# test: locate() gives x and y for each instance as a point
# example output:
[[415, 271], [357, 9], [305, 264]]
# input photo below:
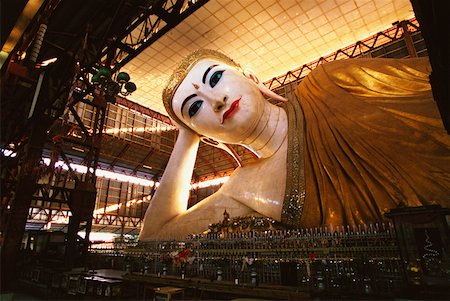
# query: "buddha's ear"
[[264, 90]]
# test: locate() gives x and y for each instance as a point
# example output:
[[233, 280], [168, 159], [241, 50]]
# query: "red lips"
[[230, 112]]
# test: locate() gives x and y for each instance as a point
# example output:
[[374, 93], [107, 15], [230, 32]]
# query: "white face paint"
[[218, 101]]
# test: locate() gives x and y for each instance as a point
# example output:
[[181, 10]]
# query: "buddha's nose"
[[219, 104]]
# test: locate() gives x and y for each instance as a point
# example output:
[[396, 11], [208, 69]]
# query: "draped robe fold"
[[373, 140]]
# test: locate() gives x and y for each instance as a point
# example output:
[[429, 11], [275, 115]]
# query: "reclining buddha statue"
[[361, 137]]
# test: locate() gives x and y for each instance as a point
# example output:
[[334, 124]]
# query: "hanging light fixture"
[[120, 84]]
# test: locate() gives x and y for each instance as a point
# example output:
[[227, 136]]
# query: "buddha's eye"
[[215, 78], [193, 109]]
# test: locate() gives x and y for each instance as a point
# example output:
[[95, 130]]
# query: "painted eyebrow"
[[206, 72], [185, 101]]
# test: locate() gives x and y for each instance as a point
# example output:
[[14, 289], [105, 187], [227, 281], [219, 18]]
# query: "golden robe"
[[373, 139]]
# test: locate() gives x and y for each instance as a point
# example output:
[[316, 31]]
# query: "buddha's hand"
[[184, 132]]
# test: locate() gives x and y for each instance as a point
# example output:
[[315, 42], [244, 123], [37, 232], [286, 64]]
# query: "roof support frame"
[[149, 26], [394, 33]]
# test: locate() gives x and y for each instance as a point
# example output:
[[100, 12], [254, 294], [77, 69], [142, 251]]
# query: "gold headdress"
[[183, 69]]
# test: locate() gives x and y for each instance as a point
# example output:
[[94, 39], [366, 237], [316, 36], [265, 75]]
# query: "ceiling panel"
[[270, 37]]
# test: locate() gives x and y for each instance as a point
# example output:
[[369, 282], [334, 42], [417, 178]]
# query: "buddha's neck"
[[270, 132]]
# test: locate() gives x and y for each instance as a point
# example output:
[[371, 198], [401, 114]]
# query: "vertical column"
[[15, 226], [408, 40]]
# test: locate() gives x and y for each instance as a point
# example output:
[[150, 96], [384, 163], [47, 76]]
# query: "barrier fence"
[[362, 259]]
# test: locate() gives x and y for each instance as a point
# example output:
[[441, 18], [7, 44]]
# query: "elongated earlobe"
[[264, 90]]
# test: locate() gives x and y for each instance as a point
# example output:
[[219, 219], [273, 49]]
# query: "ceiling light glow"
[[103, 173]]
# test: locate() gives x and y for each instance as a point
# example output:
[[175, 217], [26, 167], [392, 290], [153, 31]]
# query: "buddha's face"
[[218, 101]]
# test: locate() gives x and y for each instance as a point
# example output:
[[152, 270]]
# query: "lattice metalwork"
[[118, 203], [150, 25], [132, 141], [389, 43]]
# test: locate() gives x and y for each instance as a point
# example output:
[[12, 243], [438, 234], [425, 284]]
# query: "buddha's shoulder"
[[261, 169], [361, 64]]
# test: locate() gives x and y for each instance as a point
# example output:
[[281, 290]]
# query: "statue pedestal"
[[424, 242]]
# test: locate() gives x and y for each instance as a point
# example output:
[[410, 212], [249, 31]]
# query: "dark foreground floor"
[[24, 296]]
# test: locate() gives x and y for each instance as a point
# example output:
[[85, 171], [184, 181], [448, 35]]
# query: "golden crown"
[[183, 69]]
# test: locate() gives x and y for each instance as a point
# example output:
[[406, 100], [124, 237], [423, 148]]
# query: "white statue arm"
[[171, 197], [167, 215]]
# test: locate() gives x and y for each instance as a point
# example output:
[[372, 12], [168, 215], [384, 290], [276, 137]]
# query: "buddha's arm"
[[194, 220], [171, 197], [198, 218]]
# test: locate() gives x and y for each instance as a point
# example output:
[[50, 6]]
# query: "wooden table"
[[102, 286], [202, 285], [165, 293]]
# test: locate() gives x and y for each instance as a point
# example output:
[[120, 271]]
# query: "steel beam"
[[120, 154], [160, 17], [143, 160], [399, 30]]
